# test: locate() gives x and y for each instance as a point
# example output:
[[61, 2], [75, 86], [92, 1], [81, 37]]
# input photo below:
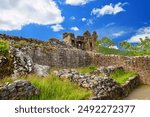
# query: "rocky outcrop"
[[19, 89], [41, 70], [23, 63]]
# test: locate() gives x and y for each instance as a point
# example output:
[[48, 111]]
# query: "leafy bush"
[[4, 47]]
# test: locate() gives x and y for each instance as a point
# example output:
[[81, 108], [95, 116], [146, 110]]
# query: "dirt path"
[[141, 93]]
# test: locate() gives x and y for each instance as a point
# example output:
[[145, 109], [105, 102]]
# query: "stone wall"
[[77, 58], [130, 85], [141, 65], [19, 89], [103, 87], [60, 57], [64, 57]]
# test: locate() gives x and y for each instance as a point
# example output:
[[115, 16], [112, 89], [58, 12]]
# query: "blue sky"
[[42, 19]]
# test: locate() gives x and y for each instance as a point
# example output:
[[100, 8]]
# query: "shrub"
[[19, 44], [4, 47]]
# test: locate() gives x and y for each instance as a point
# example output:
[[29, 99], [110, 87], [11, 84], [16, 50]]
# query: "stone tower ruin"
[[86, 42]]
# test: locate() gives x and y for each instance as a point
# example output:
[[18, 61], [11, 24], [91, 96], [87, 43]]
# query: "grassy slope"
[[52, 88]]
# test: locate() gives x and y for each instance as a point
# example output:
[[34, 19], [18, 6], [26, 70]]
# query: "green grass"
[[52, 88], [5, 80], [86, 69], [122, 76], [4, 47]]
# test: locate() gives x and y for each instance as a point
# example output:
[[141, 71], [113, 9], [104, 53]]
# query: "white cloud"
[[110, 24], [141, 33], [77, 2], [74, 28], [114, 47], [118, 34], [72, 17], [57, 27], [14, 14], [83, 19], [109, 9]]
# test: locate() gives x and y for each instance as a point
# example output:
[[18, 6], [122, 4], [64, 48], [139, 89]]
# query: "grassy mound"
[[122, 76]]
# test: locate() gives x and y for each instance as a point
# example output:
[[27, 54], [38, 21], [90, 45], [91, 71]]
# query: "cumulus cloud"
[[77, 2], [109, 9], [74, 28], [141, 33], [57, 27], [118, 34], [83, 19], [17, 13]]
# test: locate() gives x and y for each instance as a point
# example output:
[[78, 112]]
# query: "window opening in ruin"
[[91, 46], [73, 42]]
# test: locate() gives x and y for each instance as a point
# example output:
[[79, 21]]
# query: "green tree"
[[144, 45], [106, 42], [125, 45], [4, 47]]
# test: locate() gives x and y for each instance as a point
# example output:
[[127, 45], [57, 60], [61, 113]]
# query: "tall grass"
[[52, 88], [122, 76]]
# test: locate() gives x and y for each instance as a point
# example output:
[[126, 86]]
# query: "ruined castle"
[[86, 42]]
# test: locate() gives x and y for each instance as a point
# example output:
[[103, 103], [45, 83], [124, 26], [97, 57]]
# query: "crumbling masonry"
[[86, 42]]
